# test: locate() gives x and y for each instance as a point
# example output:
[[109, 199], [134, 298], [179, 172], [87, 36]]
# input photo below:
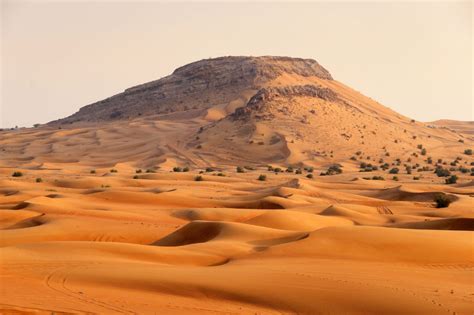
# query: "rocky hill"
[[197, 86], [236, 111]]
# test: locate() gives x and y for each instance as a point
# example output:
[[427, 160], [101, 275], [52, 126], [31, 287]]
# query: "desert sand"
[[100, 223]]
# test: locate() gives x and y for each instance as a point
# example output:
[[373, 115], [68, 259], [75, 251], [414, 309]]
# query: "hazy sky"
[[415, 57]]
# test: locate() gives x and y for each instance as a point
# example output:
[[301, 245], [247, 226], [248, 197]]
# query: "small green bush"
[[198, 178], [240, 169], [451, 180], [423, 151], [138, 171], [177, 169], [39, 180], [395, 178], [209, 169], [468, 151], [394, 170], [17, 174], [113, 170], [185, 169], [262, 177], [442, 200], [442, 172], [310, 176]]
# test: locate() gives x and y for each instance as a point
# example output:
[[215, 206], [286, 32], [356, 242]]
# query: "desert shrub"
[[353, 158], [135, 177], [387, 154], [358, 153], [199, 146], [423, 151], [289, 169], [198, 178], [185, 169], [92, 171], [138, 171], [334, 169], [461, 140], [249, 168], [384, 166], [209, 169], [240, 169], [261, 143], [408, 169], [262, 177], [113, 170], [395, 178], [309, 169], [420, 146], [270, 168], [468, 151], [394, 170], [416, 177], [451, 180], [442, 200], [150, 171], [277, 170], [298, 171], [463, 170], [429, 160], [39, 180], [220, 174], [17, 174], [177, 169], [309, 176], [442, 172]]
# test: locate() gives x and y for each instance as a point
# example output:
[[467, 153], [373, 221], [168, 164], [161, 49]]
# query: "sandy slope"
[[166, 244]]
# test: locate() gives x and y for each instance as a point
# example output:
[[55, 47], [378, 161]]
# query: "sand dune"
[[166, 243]]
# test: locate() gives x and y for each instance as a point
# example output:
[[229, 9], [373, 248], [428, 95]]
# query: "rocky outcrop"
[[264, 95], [197, 86]]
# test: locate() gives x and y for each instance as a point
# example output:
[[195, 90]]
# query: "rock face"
[[264, 95], [197, 86]]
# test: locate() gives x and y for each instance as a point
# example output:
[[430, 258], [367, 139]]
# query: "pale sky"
[[57, 56]]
